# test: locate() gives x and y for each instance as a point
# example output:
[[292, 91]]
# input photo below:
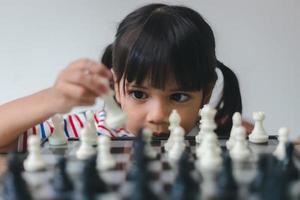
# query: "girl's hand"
[[78, 85]]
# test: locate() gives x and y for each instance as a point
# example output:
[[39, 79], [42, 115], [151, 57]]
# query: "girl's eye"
[[139, 95], [179, 97]]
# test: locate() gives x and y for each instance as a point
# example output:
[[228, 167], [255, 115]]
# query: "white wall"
[[257, 39]]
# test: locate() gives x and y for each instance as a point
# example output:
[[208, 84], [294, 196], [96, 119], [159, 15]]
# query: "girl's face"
[[148, 107]]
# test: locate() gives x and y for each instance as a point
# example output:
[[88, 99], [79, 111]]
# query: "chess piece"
[[92, 183], [258, 135], [85, 150], [58, 136], [287, 165], [240, 151], [105, 159], [211, 159], [207, 123], [236, 122], [200, 150], [259, 182], [283, 139], [140, 160], [227, 186], [34, 161], [115, 117], [90, 129], [14, 186], [184, 187], [174, 120], [178, 146], [149, 150], [62, 182]]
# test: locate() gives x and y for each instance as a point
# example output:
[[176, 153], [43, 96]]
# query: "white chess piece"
[[258, 135], [34, 161], [115, 117], [240, 151], [236, 122], [105, 159], [207, 123], [283, 139], [58, 136], [211, 159], [177, 147], [85, 150], [149, 150], [90, 128], [174, 120], [206, 141]]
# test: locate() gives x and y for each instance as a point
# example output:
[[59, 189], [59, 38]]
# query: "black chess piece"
[[140, 160], [62, 184], [14, 186], [275, 187], [227, 187], [139, 172], [185, 187], [259, 181], [92, 183], [288, 166]]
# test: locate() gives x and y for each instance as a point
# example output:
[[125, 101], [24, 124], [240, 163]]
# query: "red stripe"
[[25, 141], [51, 128], [96, 119], [109, 131], [73, 126], [79, 120], [33, 130]]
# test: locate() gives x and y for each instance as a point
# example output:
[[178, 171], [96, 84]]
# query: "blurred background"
[[259, 40]]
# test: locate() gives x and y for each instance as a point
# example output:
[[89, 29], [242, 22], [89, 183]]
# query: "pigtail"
[[230, 102], [106, 58]]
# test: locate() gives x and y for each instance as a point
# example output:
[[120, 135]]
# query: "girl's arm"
[[21, 114], [77, 85]]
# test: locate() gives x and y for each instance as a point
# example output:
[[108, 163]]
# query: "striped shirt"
[[73, 123]]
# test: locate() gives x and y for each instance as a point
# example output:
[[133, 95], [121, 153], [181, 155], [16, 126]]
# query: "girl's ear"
[[116, 86]]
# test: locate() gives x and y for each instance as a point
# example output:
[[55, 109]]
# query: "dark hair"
[[158, 41]]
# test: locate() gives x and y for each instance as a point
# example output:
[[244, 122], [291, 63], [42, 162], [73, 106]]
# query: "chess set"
[[117, 182], [150, 167]]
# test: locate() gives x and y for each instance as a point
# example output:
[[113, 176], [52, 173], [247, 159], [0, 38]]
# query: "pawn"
[[85, 150], [115, 117], [258, 135], [34, 161], [149, 150], [14, 185], [240, 152], [283, 139], [58, 136], [90, 128], [62, 182], [174, 120], [105, 159], [237, 122], [178, 146]]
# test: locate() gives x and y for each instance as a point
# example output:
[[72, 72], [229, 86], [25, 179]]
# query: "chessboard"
[[119, 186]]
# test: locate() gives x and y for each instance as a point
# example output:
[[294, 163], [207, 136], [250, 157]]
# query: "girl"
[[163, 58]]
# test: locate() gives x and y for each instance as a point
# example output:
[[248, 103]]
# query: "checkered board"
[[163, 175]]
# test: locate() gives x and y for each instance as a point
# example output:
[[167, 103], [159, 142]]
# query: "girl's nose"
[[158, 114]]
